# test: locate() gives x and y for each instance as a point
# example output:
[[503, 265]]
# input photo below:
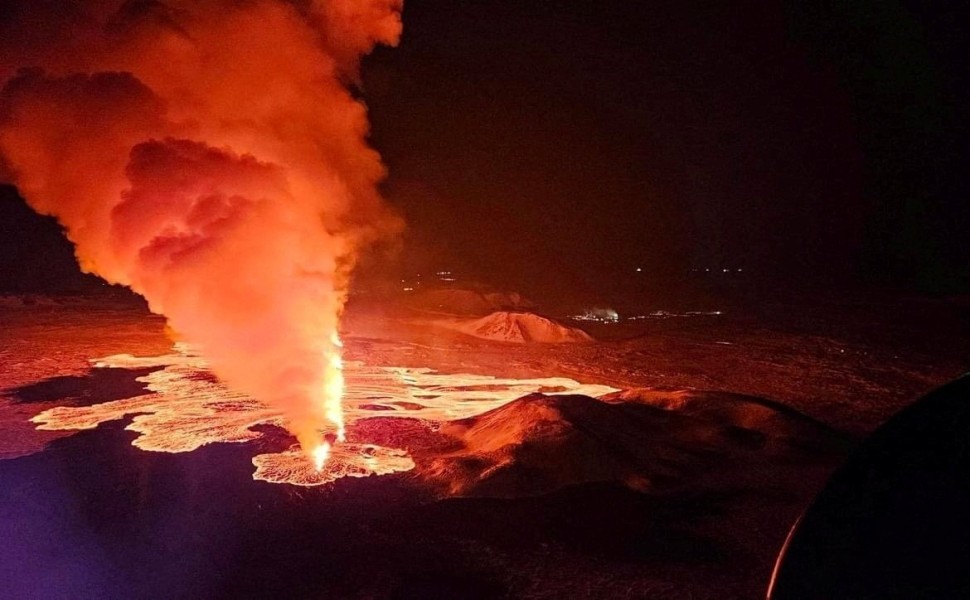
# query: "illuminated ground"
[[186, 408], [683, 491]]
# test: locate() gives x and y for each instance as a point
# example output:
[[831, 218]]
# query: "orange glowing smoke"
[[208, 154]]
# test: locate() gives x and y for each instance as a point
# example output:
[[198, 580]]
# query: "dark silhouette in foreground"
[[893, 522]]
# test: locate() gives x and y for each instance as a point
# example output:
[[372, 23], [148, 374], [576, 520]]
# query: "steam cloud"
[[209, 155]]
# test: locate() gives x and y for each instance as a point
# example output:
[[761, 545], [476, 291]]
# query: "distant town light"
[[663, 314], [600, 315]]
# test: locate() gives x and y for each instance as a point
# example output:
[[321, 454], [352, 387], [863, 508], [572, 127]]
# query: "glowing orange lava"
[[186, 408], [344, 460], [333, 392], [223, 173], [335, 387], [320, 455]]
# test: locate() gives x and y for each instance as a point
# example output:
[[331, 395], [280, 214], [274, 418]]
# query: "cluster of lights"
[[738, 270], [598, 315], [663, 314], [610, 316], [705, 270], [410, 286]]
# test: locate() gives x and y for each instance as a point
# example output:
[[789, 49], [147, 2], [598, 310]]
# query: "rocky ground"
[[681, 486]]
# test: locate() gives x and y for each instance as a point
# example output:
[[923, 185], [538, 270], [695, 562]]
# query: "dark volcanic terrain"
[[682, 485]]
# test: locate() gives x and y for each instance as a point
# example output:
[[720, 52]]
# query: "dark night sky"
[[543, 144], [567, 141]]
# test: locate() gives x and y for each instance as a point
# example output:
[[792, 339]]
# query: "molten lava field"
[[666, 459]]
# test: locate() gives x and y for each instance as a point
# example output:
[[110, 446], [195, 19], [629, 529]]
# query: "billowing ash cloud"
[[208, 154]]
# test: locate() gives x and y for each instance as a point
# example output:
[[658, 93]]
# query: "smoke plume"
[[209, 155]]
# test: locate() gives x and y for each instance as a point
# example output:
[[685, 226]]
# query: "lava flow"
[[335, 388], [343, 460], [211, 156], [186, 408], [320, 455], [319, 452]]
